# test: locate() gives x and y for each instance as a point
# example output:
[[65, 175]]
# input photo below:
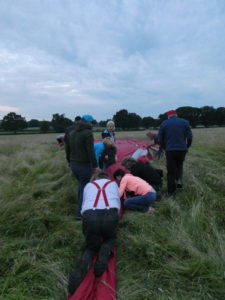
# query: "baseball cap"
[[171, 112], [87, 118]]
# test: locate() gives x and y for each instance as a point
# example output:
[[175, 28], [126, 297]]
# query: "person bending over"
[[144, 171], [108, 155], [144, 193], [105, 152], [100, 217]]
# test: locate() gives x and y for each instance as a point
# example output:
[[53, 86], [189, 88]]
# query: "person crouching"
[[100, 217], [143, 194]]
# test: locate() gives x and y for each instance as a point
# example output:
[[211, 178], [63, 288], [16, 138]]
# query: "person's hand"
[[96, 170]]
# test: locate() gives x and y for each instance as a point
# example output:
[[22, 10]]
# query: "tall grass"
[[175, 253]]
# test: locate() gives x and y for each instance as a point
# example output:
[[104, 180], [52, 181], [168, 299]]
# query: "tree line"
[[206, 116]]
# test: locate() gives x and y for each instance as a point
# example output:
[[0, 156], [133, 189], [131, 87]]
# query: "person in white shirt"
[[100, 217]]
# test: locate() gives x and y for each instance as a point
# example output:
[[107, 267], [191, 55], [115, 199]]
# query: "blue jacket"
[[175, 134], [99, 147]]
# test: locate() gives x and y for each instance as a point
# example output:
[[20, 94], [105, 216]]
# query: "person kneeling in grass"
[[144, 193], [100, 217]]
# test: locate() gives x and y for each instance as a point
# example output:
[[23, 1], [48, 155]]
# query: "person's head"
[[108, 142], [99, 175], [110, 126], [128, 162], [151, 135], [171, 113], [77, 119], [118, 174], [87, 118]]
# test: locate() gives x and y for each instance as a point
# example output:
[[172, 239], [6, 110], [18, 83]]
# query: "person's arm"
[[67, 147], [161, 137], [122, 187], [91, 151], [189, 136]]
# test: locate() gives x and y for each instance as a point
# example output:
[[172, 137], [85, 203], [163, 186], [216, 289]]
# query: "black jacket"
[[80, 150], [108, 157], [148, 173]]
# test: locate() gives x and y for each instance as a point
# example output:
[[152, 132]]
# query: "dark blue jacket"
[[175, 134], [106, 133]]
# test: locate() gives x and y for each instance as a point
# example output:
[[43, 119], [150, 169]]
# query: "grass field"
[[177, 253]]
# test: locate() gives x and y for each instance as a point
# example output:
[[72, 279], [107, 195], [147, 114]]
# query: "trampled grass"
[[177, 253]]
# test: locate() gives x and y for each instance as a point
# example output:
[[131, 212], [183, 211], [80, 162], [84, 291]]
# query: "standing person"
[[110, 130], [175, 137], [100, 217], [143, 194], [81, 153], [66, 135]]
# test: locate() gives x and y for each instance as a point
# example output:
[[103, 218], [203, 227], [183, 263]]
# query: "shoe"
[[102, 263], [171, 195], [179, 184], [150, 210]]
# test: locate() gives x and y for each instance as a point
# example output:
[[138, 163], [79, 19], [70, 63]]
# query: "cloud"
[[74, 57], [4, 110]]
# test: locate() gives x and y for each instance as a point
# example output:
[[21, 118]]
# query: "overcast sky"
[[99, 56]]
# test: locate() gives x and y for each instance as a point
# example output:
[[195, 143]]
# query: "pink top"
[[134, 184]]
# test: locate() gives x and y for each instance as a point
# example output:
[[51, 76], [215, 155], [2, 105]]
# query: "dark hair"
[[118, 172], [128, 162], [102, 175], [77, 118]]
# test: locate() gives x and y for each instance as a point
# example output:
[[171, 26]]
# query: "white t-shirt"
[[90, 193]]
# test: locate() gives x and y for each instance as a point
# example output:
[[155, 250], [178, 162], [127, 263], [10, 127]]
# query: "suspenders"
[[103, 193]]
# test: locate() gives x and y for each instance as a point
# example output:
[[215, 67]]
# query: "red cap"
[[171, 112]]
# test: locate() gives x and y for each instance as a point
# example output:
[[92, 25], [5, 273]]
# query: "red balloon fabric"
[[128, 147], [102, 288]]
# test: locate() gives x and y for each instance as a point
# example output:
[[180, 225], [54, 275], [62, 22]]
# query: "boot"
[[179, 184], [102, 263]]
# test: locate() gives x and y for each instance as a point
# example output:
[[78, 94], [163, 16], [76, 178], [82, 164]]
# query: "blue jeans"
[[140, 203], [83, 175]]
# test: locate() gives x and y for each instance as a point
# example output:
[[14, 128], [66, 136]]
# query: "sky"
[[76, 57]]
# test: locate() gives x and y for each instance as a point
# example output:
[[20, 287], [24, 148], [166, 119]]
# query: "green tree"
[[134, 120], [33, 123], [121, 119], [102, 123], [59, 122], [161, 118], [192, 114], [126, 120], [13, 122], [148, 122], [220, 116], [208, 116], [45, 126]]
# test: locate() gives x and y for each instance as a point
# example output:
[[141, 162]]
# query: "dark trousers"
[[83, 175], [174, 164], [100, 228]]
